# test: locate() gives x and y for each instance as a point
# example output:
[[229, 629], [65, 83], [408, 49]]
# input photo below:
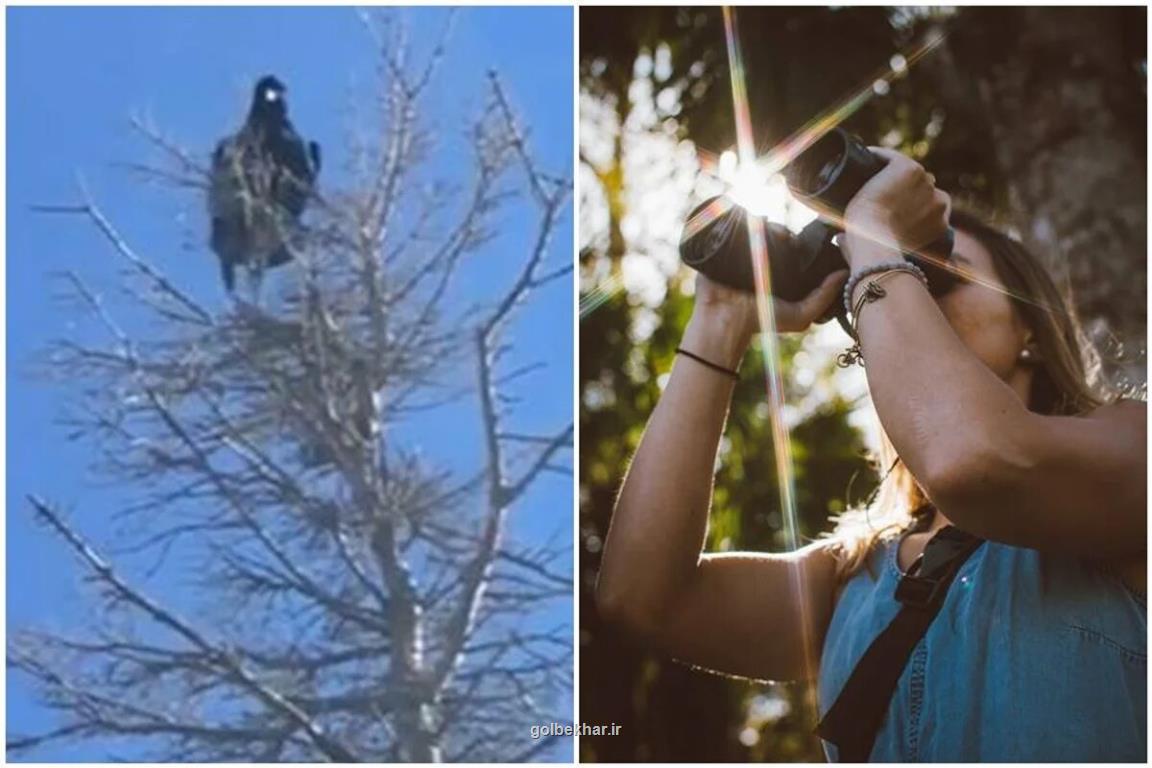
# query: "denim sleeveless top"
[[1032, 658]]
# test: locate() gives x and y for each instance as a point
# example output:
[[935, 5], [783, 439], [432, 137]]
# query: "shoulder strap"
[[858, 712]]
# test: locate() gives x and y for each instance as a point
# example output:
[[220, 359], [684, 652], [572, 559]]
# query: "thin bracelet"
[[734, 375], [903, 266], [872, 292], [878, 293]]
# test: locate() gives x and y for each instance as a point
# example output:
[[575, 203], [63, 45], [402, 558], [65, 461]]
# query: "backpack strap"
[[858, 712]]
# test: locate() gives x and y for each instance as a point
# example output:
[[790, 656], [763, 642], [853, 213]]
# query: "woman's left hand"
[[898, 209]]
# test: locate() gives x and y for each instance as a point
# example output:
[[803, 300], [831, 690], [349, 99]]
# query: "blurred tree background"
[[1034, 115]]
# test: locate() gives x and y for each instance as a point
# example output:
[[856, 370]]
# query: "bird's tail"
[[228, 272]]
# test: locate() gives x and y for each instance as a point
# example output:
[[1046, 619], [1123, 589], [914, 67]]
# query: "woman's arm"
[[993, 467], [1059, 483], [739, 613]]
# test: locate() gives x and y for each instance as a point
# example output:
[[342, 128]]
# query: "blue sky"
[[76, 76]]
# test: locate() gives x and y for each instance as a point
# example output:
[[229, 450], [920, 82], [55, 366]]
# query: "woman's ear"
[[1029, 350]]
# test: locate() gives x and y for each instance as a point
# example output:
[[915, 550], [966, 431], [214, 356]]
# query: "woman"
[[1038, 653]]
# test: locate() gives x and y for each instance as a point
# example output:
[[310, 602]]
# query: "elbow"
[[616, 608], [960, 474], [612, 606], [611, 602], [620, 608], [627, 594]]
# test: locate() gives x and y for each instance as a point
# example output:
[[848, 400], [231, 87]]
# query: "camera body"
[[828, 174]]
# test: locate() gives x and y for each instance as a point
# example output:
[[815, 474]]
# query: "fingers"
[[890, 155], [915, 175], [798, 316], [903, 165], [901, 203], [930, 220], [897, 161], [814, 304]]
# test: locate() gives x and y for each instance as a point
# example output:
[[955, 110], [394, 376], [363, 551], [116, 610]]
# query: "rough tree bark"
[[1056, 86]]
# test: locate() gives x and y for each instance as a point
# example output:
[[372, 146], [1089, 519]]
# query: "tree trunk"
[[1057, 86]]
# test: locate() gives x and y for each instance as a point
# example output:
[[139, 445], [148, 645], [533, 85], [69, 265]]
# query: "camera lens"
[[818, 167], [827, 173]]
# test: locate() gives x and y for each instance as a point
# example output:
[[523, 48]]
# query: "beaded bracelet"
[[888, 266]]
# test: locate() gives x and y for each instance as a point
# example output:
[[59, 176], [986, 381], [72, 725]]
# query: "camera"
[[828, 174]]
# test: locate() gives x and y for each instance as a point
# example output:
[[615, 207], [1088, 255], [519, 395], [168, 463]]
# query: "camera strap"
[[858, 712]]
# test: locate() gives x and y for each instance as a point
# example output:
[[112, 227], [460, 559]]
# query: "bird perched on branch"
[[262, 179]]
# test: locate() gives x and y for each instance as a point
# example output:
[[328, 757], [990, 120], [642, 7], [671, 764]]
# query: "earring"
[[1027, 355]]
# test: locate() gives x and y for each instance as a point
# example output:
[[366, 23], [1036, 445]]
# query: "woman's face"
[[984, 317]]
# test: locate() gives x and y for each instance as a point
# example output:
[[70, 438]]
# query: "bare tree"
[[353, 601]]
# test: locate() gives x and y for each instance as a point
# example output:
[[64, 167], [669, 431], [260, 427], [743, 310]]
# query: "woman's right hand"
[[719, 307]]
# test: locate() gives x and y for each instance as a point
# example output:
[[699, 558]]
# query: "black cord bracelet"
[[734, 375]]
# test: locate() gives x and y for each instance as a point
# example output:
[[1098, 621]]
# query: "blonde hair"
[[1067, 381]]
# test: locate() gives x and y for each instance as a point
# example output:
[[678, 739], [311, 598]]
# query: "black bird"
[[262, 178]]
